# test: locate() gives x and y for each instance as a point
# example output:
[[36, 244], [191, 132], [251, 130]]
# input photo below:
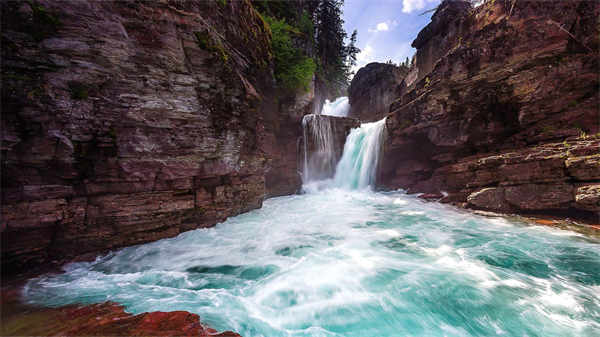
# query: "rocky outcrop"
[[450, 22], [373, 89], [106, 319], [127, 122], [507, 118]]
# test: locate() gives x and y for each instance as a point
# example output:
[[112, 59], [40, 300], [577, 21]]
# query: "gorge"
[[156, 148]]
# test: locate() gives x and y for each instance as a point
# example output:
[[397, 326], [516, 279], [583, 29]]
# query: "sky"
[[386, 28]]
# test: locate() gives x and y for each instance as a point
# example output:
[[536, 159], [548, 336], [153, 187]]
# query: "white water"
[[358, 167], [339, 107], [353, 264], [319, 148]]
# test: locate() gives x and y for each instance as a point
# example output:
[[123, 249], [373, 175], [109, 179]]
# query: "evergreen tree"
[[351, 52], [330, 36]]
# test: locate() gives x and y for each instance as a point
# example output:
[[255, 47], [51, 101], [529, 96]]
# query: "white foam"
[[389, 233], [399, 201], [439, 251], [412, 213]]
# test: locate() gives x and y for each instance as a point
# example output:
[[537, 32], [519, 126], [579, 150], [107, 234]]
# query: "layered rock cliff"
[[127, 122], [373, 89], [505, 117]]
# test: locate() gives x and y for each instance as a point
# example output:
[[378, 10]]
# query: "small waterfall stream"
[[358, 167], [319, 148]]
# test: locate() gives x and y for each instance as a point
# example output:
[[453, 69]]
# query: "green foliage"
[[334, 55], [206, 42], [78, 90], [427, 82], [293, 70], [222, 2], [43, 23], [305, 24]]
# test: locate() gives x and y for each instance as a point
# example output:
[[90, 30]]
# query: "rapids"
[[353, 263], [343, 260]]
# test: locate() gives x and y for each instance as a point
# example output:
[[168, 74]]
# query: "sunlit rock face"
[[127, 122], [512, 105], [372, 90]]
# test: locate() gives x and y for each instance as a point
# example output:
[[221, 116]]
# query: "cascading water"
[[339, 107], [358, 167], [347, 261], [319, 148]]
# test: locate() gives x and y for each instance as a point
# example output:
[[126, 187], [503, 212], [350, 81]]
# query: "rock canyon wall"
[[504, 114], [128, 122]]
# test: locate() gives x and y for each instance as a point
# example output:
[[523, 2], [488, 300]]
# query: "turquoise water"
[[357, 167], [354, 263]]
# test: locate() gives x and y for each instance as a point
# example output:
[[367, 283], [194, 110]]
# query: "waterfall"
[[319, 148], [339, 107], [358, 167]]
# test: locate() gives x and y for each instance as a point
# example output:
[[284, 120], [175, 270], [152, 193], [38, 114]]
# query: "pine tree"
[[330, 36]]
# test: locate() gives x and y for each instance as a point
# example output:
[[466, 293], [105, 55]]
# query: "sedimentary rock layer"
[[507, 119], [127, 122]]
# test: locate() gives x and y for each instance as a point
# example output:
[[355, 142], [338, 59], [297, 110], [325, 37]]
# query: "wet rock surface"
[[128, 122], [507, 119], [105, 319]]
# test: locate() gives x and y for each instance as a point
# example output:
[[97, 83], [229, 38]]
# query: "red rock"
[[122, 127], [431, 196], [496, 114], [106, 319]]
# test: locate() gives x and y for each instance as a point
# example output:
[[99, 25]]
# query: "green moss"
[[206, 42], [43, 22], [79, 91], [222, 2], [427, 82]]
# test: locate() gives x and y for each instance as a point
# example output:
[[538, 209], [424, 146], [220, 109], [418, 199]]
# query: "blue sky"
[[386, 28]]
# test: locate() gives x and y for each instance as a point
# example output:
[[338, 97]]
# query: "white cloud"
[[366, 54], [414, 5], [383, 26]]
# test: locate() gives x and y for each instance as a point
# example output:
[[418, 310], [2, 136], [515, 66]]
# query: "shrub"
[[293, 70]]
